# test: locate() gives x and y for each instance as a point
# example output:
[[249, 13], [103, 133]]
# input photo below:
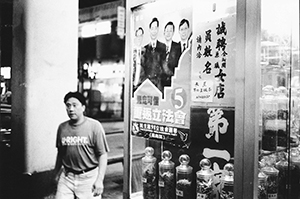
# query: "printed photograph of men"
[[139, 34], [137, 53], [184, 32], [172, 54], [159, 38], [154, 57]]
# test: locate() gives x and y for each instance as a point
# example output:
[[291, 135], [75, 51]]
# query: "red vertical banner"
[[161, 71]]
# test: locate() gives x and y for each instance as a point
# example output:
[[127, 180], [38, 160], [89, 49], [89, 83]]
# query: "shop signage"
[[107, 11], [213, 134], [213, 65], [121, 22]]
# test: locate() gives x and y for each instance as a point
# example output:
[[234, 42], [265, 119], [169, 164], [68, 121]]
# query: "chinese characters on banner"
[[161, 72], [213, 68], [214, 137]]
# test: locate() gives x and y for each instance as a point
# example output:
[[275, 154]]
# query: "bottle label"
[[179, 193], [201, 196], [161, 183], [272, 196]]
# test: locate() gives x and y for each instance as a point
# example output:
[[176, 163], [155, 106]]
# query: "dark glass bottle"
[[272, 179], [204, 180], [269, 119], [149, 174], [283, 173], [227, 182], [184, 178], [262, 186], [282, 116], [166, 180], [295, 173]]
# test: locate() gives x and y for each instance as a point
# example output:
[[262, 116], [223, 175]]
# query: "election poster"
[[161, 71]]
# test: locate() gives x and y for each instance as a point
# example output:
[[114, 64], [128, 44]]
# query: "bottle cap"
[[184, 167]]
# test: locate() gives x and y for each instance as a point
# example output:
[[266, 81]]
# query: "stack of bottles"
[[279, 175], [279, 165], [271, 184], [275, 118], [176, 182], [269, 109]]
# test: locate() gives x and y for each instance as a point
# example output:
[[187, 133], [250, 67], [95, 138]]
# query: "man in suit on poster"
[[184, 32], [172, 54], [153, 57], [137, 52]]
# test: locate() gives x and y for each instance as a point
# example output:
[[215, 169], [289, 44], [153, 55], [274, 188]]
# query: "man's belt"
[[68, 170]]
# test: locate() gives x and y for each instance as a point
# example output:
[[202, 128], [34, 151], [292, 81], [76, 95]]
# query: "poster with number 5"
[[161, 71]]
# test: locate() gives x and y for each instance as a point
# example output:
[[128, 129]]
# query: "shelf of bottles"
[[279, 149], [165, 181]]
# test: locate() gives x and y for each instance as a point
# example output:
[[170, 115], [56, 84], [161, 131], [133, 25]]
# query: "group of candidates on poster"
[[157, 60]]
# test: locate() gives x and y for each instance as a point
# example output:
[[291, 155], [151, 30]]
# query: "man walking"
[[82, 153]]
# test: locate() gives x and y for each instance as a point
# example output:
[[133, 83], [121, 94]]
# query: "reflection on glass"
[[280, 80]]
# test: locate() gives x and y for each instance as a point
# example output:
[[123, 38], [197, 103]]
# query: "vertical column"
[[247, 87], [44, 69]]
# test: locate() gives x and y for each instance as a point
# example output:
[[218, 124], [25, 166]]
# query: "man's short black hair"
[[170, 23], [154, 20], [141, 29], [184, 21], [76, 95]]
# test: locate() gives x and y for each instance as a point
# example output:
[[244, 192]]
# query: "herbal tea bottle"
[[269, 119], [262, 186], [295, 172], [282, 116], [184, 178], [227, 185], [166, 180], [272, 179], [149, 174], [204, 180], [283, 175]]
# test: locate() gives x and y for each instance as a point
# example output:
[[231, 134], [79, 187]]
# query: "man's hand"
[[56, 178], [54, 181], [98, 188]]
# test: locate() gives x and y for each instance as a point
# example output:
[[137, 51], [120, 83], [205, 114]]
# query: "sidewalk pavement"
[[113, 182]]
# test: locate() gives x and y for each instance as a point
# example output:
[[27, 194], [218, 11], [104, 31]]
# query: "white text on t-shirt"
[[74, 140]]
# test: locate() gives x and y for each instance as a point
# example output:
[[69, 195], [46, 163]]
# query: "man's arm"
[[98, 186], [58, 166]]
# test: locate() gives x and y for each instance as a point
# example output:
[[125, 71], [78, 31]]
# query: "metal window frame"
[[247, 85]]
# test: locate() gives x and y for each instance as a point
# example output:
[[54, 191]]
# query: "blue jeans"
[[79, 186]]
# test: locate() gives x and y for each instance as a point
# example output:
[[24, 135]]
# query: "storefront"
[[101, 68], [213, 89]]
